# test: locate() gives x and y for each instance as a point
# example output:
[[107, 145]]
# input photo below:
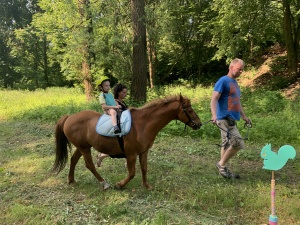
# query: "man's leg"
[[227, 154], [222, 152], [231, 144]]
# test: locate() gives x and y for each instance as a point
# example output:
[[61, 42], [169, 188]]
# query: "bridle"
[[188, 115]]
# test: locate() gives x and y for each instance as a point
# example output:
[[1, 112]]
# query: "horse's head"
[[188, 115]]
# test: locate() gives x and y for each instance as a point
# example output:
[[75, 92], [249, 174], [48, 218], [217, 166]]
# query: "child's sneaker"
[[117, 130]]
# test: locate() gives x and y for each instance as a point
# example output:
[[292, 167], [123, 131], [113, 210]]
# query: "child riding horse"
[[147, 121]]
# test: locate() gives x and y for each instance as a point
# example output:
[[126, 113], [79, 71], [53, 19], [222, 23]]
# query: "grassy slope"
[[188, 189]]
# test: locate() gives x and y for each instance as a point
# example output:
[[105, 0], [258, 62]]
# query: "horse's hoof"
[[149, 187], [72, 182], [119, 186], [105, 185]]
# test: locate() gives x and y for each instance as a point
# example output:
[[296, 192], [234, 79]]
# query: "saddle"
[[104, 125]]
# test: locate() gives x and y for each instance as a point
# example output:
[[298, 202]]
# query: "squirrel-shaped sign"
[[275, 161]]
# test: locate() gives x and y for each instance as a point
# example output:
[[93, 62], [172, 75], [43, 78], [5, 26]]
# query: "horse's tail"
[[61, 146]]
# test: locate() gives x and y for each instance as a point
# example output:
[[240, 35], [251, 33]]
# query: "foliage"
[[273, 116], [42, 42], [183, 43], [240, 29], [109, 41]]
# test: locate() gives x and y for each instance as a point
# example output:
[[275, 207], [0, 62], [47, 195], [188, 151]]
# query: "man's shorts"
[[230, 135]]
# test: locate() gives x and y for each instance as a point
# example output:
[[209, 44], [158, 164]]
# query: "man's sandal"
[[224, 172]]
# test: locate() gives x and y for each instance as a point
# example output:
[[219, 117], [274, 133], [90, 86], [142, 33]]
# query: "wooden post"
[[273, 218]]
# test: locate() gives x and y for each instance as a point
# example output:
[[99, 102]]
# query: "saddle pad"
[[104, 125]]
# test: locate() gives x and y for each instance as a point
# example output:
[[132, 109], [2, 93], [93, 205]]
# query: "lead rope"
[[246, 125]]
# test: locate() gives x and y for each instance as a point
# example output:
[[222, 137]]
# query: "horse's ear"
[[180, 97]]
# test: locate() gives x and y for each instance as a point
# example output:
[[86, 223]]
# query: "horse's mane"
[[159, 101]]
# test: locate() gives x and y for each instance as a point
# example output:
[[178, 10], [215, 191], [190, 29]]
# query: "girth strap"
[[120, 139]]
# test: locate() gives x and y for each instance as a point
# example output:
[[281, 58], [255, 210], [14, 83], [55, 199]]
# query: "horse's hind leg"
[[91, 166], [74, 160]]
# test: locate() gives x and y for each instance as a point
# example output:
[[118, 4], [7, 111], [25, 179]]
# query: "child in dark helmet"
[[107, 101]]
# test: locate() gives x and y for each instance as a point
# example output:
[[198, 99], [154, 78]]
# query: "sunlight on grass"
[[20, 168], [26, 214], [51, 182], [14, 103], [24, 164]]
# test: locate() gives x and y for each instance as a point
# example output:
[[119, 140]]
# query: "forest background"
[[141, 43]]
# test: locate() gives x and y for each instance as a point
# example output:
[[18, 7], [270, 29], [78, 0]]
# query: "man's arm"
[[244, 117], [213, 105]]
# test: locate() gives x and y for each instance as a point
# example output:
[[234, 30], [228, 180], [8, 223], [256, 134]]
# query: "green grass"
[[187, 188]]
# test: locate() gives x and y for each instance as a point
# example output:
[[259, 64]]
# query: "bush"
[[274, 117]]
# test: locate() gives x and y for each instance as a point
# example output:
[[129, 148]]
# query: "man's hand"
[[247, 120], [214, 119]]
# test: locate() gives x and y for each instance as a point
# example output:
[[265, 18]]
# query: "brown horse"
[[147, 121]]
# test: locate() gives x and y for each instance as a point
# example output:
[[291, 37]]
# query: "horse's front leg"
[[131, 161], [144, 164], [91, 166]]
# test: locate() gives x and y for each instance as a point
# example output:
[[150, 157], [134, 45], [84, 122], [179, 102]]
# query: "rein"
[[246, 125]]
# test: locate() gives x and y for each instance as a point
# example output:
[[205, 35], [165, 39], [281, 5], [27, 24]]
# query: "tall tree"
[[85, 47], [69, 29], [291, 25], [13, 15], [113, 46], [152, 39], [183, 39], [139, 65], [243, 28], [28, 48]]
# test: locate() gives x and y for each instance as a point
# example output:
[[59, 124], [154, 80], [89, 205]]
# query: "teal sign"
[[275, 161]]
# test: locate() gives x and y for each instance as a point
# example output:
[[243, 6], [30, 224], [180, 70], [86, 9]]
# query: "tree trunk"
[[291, 39], [139, 66], [36, 64], [45, 58], [151, 61], [152, 56], [84, 10], [87, 81]]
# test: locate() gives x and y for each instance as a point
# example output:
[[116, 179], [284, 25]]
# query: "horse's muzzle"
[[196, 126]]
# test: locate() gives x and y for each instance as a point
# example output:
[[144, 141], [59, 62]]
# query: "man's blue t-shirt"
[[229, 101]]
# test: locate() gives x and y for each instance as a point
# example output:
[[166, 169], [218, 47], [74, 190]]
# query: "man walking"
[[226, 109]]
